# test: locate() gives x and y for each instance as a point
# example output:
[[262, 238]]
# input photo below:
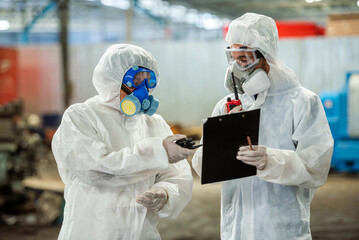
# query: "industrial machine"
[[342, 110], [18, 149]]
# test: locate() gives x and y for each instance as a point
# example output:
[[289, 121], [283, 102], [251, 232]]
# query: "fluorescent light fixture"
[[212, 24], [209, 21], [4, 25], [159, 8], [177, 12], [121, 4], [358, 3], [192, 16], [150, 4], [311, 1]]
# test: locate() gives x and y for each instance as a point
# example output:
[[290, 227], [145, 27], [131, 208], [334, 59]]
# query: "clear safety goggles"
[[243, 58]]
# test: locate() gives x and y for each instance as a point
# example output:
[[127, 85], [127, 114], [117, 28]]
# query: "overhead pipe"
[[25, 33]]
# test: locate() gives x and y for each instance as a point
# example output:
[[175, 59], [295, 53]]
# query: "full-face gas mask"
[[144, 80], [242, 62]]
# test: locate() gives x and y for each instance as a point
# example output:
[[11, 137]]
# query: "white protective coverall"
[[106, 159], [275, 204]]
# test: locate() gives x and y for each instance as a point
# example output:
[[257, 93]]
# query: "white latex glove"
[[175, 152], [153, 199], [256, 157]]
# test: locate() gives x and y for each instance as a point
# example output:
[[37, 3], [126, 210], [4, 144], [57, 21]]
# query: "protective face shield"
[[144, 80], [243, 58]]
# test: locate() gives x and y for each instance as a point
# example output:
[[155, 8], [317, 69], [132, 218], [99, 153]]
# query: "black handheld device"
[[187, 143]]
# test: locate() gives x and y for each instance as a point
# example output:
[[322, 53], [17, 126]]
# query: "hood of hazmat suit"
[[275, 204], [106, 159]]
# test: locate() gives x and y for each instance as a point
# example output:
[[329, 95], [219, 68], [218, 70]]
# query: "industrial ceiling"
[[313, 10], [22, 12]]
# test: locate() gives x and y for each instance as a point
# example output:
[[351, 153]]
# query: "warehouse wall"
[[191, 72], [321, 63], [39, 78]]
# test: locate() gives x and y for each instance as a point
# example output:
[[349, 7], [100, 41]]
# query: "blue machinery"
[[342, 110]]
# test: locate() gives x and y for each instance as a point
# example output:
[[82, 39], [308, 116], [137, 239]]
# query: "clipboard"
[[222, 136]]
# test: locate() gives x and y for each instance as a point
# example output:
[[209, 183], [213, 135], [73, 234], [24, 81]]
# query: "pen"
[[249, 142]]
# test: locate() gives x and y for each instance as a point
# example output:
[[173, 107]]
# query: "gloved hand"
[[176, 153], [256, 157], [153, 199], [236, 109]]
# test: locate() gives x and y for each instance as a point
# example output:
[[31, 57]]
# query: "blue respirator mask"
[[139, 100]]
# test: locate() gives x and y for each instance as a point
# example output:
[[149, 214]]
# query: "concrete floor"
[[335, 215], [334, 212]]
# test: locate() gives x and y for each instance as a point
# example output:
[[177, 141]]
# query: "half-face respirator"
[[139, 100]]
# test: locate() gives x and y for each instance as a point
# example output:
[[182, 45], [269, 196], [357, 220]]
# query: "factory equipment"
[[342, 110], [18, 149]]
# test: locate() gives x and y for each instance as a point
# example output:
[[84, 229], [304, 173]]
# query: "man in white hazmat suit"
[[121, 168], [295, 143]]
